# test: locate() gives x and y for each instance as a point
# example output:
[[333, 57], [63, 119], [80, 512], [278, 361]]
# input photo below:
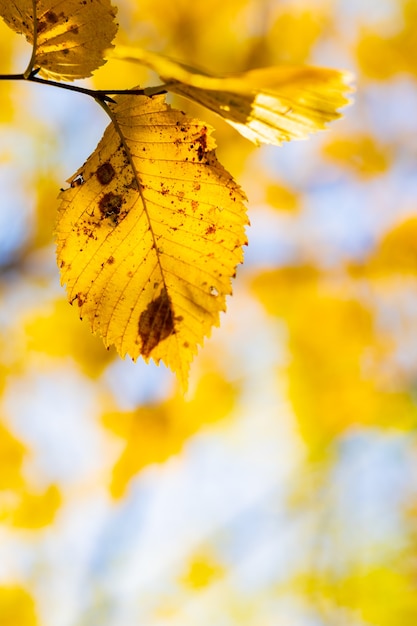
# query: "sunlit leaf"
[[395, 255], [71, 35], [54, 330], [17, 607], [36, 509], [295, 31], [282, 197], [150, 233], [380, 594], [383, 53], [12, 453], [269, 105], [202, 572], [361, 154], [329, 384]]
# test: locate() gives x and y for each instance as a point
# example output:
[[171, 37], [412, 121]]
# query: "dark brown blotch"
[[51, 17], [105, 173], [156, 323], [202, 144], [110, 204]]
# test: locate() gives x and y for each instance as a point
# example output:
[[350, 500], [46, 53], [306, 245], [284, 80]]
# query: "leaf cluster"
[[151, 229]]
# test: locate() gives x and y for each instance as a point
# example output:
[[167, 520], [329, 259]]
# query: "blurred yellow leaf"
[[12, 453], [155, 433], [383, 56], [293, 33], [20, 506], [378, 595], [329, 385], [36, 509], [57, 332], [6, 49], [150, 233], [282, 198], [71, 37], [17, 607], [360, 153], [202, 572], [268, 105], [395, 255], [282, 291]]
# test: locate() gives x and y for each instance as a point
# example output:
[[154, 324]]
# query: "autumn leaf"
[[71, 36], [360, 153], [268, 105], [17, 606], [395, 257], [155, 432], [150, 233]]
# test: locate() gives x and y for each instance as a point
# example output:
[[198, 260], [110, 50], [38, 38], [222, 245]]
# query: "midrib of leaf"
[[137, 178]]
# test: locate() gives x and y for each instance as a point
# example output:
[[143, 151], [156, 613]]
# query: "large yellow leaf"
[[150, 233], [268, 105], [72, 35]]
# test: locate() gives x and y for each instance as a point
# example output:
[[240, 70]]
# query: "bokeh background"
[[282, 490]]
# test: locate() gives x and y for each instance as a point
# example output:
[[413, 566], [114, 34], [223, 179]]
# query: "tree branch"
[[102, 95]]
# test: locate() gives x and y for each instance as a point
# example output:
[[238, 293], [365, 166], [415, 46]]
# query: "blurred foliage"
[[282, 489]]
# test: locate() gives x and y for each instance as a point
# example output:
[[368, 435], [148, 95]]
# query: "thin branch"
[[98, 94], [29, 69], [12, 77]]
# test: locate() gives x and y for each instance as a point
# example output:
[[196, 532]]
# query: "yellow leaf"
[[17, 607], [150, 233], [361, 153], [203, 571], [379, 595], [268, 105], [329, 385], [396, 254], [55, 331], [36, 510], [153, 434], [12, 453], [282, 197], [294, 33], [71, 36], [382, 56]]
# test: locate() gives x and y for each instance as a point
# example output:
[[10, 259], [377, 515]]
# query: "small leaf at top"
[[72, 35], [268, 105], [150, 232]]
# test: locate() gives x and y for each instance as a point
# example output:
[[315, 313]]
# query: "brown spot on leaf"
[[110, 260], [105, 173], [156, 323], [211, 230], [110, 204], [79, 297], [51, 17], [202, 144]]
